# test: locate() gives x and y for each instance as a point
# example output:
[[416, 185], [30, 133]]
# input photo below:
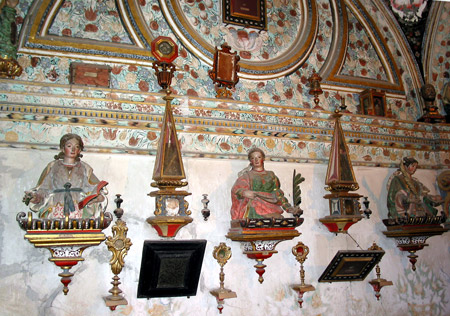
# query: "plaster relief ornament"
[[412, 213], [68, 200], [409, 11], [257, 211]]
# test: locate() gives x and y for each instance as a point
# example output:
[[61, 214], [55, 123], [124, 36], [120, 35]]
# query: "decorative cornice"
[[129, 122]]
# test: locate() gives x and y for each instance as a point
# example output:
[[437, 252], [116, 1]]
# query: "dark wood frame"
[[351, 265], [249, 13], [170, 268]]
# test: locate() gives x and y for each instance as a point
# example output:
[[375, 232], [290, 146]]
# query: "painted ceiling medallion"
[[200, 33]]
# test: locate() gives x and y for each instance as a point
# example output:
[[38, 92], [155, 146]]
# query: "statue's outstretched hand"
[[436, 200], [32, 197], [295, 210]]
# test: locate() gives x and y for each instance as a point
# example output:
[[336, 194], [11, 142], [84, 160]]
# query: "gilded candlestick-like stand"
[[119, 245], [378, 283], [222, 254], [301, 251]]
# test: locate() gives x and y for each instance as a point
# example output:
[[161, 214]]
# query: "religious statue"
[[67, 186], [257, 193], [407, 196]]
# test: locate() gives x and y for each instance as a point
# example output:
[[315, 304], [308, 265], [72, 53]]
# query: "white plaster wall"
[[29, 283]]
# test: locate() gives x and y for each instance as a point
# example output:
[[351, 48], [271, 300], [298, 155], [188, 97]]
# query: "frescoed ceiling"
[[338, 39], [101, 31], [352, 44]]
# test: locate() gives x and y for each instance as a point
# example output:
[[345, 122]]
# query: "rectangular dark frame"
[[170, 268], [351, 265], [248, 13]]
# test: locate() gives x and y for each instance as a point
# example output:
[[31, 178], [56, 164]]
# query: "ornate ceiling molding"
[[282, 65], [428, 46], [35, 37], [336, 57], [336, 60]]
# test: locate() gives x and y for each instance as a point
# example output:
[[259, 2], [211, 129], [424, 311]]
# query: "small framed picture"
[[351, 265], [248, 13], [170, 268]]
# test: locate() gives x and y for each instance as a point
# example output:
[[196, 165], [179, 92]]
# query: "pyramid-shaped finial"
[[344, 206], [340, 176], [169, 169]]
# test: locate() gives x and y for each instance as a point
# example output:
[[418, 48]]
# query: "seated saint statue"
[[407, 196], [67, 185], [256, 193]]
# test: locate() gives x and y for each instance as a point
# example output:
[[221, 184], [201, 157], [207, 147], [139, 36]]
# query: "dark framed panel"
[[248, 13], [351, 265], [170, 268]]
